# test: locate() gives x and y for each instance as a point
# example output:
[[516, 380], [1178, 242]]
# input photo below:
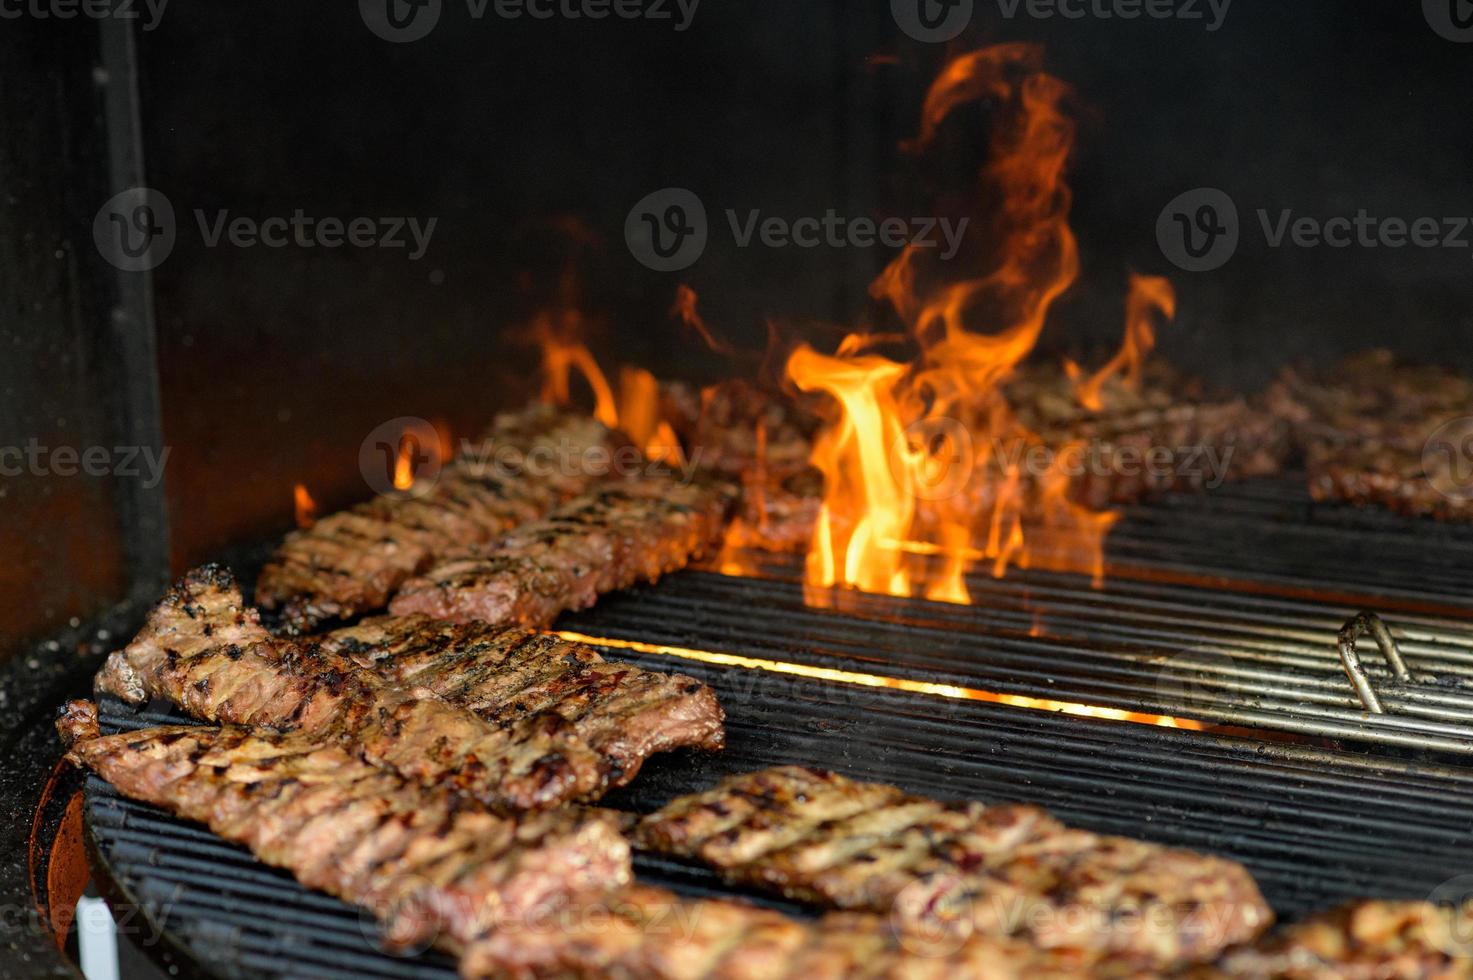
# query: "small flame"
[[686, 312], [404, 464], [560, 357], [639, 417], [304, 507], [1150, 297]]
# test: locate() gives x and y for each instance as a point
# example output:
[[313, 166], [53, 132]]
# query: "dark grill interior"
[[1321, 801]]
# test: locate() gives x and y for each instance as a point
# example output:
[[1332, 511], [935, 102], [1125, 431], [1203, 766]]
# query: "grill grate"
[[1316, 823]]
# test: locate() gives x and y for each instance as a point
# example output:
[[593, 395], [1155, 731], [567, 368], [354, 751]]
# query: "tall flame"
[[922, 460], [404, 463]]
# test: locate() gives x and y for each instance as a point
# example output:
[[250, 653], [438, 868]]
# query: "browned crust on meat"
[[1371, 940], [432, 864], [351, 562], [204, 651], [506, 674], [626, 532], [651, 933], [1364, 427], [999, 870]]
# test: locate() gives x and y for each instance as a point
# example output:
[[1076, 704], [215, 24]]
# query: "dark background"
[[274, 364]]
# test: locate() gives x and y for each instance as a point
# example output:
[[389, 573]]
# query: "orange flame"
[[638, 416], [686, 312], [404, 464], [927, 469], [560, 357], [1150, 297], [303, 507]]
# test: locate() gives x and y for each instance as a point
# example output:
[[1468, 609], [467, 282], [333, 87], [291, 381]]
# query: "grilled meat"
[[429, 862], [206, 652], [506, 674], [1367, 433], [625, 532], [1365, 941], [1167, 411], [351, 562], [651, 933], [997, 870], [757, 437]]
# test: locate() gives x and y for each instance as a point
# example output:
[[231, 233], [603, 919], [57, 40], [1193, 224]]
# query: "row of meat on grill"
[[441, 767], [502, 543]]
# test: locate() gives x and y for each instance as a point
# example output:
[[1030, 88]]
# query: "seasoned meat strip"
[[351, 562], [625, 532], [1365, 941], [429, 862], [206, 652], [1376, 432], [651, 933], [999, 870], [505, 674]]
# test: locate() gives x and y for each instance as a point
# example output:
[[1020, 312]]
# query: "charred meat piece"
[[759, 438], [652, 933], [1365, 941], [1376, 432], [996, 870], [506, 674], [351, 562], [205, 651], [625, 532], [428, 862]]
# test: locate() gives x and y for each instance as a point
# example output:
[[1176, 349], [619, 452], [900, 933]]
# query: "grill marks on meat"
[[1364, 430], [351, 562], [507, 674], [430, 863], [999, 870], [204, 651], [623, 533], [1365, 941], [649, 932]]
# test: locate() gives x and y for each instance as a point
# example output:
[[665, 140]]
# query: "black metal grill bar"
[[1221, 658]]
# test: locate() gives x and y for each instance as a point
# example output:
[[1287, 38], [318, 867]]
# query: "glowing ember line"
[[891, 683]]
